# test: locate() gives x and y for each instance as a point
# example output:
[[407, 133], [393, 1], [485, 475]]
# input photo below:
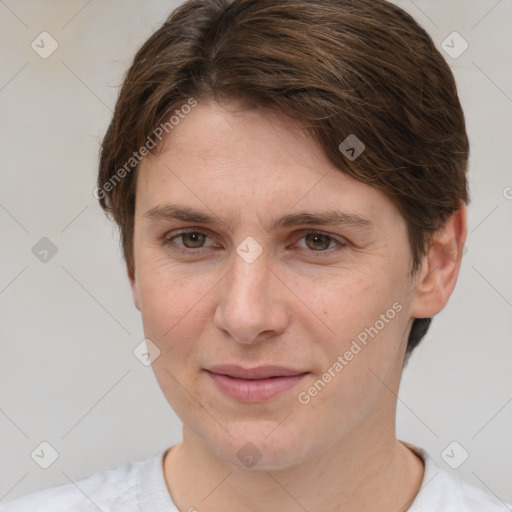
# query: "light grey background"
[[68, 375]]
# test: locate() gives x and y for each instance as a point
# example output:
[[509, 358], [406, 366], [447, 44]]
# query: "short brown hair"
[[338, 67]]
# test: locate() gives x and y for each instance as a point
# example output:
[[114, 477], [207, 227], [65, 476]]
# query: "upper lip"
[[259, 372]]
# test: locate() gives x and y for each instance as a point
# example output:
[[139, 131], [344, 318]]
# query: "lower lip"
[[255, 390]]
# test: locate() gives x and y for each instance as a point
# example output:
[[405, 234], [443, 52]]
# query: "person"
[[289, 180]]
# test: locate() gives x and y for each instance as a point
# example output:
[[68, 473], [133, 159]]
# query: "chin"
[[261, 446]]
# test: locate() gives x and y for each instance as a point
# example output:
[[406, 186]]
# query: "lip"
[[259, 372], [254, 385]]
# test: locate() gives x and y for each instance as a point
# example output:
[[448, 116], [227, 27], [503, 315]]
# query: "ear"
[[440, 267], [133, 284]]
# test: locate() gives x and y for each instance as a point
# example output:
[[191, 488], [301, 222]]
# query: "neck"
[[367, 470]]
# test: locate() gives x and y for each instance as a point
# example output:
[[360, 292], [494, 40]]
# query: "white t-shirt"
[[140, 487]]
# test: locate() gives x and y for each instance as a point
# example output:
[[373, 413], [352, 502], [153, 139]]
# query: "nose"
[[252, 305]]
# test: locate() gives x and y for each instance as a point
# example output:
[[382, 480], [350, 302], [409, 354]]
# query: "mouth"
[[254, 385]]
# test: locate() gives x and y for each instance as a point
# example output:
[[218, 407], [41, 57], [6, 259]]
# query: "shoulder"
[[455, 494], [106, 491], [445, 492]]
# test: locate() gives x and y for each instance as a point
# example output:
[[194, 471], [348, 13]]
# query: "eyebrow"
[[327, 218], [168, 212]]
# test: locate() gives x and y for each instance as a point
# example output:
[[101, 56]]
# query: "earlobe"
[[441, 267]]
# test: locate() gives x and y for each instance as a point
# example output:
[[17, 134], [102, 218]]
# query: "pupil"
[[196, 239], [319, 238]]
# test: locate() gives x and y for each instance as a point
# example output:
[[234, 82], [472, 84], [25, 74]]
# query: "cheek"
[[359, 375], [170, 306], [365, 319], [345, 304]]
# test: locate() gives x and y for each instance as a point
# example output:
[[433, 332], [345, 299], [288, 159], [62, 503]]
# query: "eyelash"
[[167, 242]]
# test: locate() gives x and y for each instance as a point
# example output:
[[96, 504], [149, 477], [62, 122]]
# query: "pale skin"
[[300, 304]]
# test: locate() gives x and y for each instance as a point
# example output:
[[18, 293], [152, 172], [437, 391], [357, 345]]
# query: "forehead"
[[227, 158]]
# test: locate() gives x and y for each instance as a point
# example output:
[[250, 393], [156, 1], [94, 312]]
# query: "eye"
[[190, 240], [317, 241]]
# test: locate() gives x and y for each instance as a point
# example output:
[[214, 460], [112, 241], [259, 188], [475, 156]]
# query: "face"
[[250, 281]]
